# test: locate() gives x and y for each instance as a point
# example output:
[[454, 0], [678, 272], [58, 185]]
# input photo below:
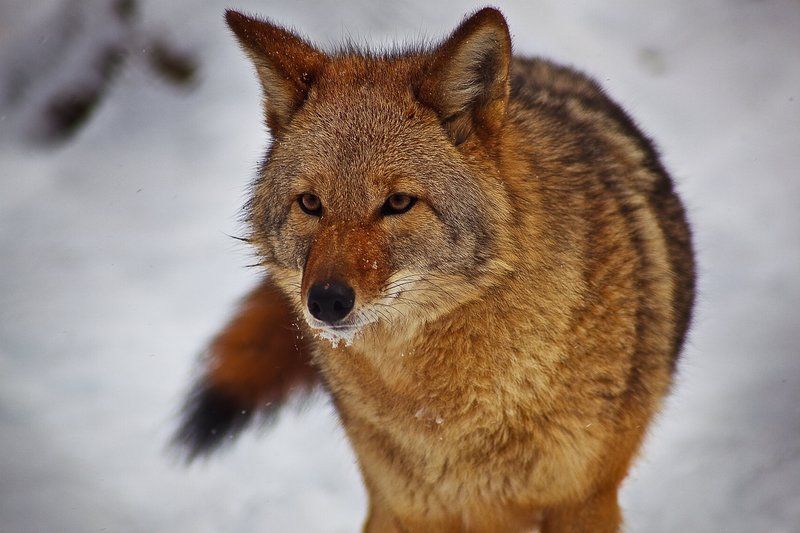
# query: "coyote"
[[479, 256]]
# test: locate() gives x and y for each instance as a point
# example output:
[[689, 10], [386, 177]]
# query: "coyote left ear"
[[467, 79], [286, 65]]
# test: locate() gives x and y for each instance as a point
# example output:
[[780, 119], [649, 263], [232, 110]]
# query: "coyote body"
[[512, 332]]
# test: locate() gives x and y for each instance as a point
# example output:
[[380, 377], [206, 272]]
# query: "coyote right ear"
[[286, 65]]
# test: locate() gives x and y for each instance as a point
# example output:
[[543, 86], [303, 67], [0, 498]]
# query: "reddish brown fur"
[[518, 328]]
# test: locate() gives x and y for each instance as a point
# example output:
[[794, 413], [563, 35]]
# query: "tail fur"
[[253, 366]]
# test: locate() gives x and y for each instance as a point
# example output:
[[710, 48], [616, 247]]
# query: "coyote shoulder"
[[479, 256]]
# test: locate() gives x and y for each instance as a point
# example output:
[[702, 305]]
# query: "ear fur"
[[286, 65], [467, 79]]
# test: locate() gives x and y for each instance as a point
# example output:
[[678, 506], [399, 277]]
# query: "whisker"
[[247, 240]]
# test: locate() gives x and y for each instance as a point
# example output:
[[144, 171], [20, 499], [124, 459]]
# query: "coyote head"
[[381, 199]]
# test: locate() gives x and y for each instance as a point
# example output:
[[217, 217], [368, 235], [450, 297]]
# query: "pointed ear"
[[286, 65], [467, 79]]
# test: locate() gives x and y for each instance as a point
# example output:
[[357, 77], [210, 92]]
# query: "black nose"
[[330, 301]]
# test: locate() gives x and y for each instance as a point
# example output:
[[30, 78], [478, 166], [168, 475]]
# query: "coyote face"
[[366, 209]]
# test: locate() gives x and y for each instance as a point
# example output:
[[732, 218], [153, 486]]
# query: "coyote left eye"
[[397, 204], [310, 204]]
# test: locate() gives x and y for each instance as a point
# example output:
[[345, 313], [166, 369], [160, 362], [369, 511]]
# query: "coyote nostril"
[[330, 301]]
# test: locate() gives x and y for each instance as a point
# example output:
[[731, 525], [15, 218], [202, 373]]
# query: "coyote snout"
[[346, 266]]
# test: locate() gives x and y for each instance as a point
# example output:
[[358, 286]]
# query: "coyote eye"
[[397, 204], [310, 204]]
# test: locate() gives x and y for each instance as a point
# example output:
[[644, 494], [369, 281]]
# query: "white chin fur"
[[335, 334]]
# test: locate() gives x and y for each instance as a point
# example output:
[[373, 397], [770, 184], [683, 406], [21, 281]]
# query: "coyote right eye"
[[310, 204]]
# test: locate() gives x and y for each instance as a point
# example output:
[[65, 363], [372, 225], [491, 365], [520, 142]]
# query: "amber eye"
[[310, 204], [397, 204]]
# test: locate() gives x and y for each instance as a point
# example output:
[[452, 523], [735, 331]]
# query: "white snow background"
[[116, 267]]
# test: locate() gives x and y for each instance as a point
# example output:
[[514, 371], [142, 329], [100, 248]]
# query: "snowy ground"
[[115, 267]]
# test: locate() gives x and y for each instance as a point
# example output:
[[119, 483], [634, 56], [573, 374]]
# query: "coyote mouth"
[[345, 332]]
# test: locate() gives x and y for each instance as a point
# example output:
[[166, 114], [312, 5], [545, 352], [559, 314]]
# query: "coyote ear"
[[467, 79], [286, 65]]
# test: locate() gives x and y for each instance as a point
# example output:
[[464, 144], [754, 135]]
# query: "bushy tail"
[[254, 365]]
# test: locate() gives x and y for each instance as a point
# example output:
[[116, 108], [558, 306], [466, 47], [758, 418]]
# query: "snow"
[[116, 268], [335, 336]]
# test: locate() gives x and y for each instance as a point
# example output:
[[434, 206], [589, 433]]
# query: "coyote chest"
[[456, 428]]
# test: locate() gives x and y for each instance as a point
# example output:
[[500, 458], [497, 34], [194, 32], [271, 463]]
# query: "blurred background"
[[129, 130]]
